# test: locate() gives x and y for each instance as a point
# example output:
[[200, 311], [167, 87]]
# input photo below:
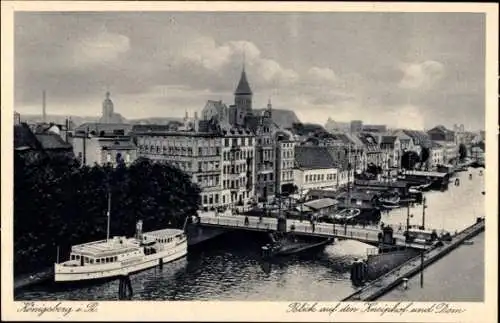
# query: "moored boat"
[[120, 255], [347, 214]]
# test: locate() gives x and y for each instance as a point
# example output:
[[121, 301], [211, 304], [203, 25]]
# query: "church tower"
[[107, 109], [243, 99]]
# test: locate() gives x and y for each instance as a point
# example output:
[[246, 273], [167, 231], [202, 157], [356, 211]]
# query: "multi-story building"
[[195, 149], [391, 151], [99, 144], [219, 161], [32, 146], [420, 139], [440, 133], [372, 149], [437, 155], [314, 169], [285, 160], [238, 167]]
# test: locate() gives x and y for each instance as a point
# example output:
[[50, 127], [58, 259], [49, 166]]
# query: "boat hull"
[[99, 272]]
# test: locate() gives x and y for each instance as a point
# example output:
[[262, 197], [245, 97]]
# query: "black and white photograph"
[[278, 156]]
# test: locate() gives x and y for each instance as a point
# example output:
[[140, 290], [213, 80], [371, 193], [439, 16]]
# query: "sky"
[[412, 70]]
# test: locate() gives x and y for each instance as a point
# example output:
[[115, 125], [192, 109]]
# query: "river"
[[231, 269]]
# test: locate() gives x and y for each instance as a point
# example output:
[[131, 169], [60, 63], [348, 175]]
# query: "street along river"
[[229, 267]]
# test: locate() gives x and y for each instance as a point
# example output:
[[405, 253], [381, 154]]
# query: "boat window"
[[91, 261], [116, 258], [72, 257], [97, 261]]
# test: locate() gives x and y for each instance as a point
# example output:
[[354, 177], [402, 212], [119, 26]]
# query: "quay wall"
[[383, 263], [197, 234], [387, 282]]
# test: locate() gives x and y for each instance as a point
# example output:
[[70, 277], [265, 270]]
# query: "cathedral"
[[108, 114]]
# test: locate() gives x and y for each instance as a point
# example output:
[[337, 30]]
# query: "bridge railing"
[[327, 229], [240, 222], [334, 230]]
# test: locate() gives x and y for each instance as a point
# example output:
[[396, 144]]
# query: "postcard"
[[249, 161]]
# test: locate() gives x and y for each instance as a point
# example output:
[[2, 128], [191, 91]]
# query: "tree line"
[[57, 202]]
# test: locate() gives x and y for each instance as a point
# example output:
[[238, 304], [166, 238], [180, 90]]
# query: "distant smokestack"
[[43, 107]]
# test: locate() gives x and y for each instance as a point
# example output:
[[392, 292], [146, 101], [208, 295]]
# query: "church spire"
[[243, 87]]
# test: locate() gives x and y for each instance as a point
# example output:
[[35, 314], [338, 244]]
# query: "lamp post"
[[424, 206]]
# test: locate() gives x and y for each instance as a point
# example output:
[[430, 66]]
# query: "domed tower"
[[243, 99], [107, 109]]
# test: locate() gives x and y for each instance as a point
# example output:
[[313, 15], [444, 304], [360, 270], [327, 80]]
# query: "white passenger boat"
[[120, 256]]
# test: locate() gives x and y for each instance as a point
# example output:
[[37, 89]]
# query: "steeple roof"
[[243, 86]]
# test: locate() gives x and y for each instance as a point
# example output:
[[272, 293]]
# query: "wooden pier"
[[395, 277]]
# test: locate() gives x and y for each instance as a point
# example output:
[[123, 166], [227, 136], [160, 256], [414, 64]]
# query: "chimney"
[[43, 107], [196, 122]]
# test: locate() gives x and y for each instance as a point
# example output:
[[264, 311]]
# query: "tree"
[[462, 151], [409, 159], [57, 203]]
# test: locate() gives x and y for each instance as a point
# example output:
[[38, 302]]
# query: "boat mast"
[[108, 213]]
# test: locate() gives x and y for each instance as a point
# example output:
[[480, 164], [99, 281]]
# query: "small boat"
[[468, 242], [422, 187], [390, 199], [282, 245], [347, 214], [413, 190], [389, 206]]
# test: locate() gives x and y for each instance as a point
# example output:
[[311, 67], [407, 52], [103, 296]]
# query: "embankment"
[[393, 278]]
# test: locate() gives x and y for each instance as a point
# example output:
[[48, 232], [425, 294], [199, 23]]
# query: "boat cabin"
[[358, 199], [322, 207], [104, 251], [164, 236]]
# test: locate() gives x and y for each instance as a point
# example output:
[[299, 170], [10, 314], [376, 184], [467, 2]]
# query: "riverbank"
[[387, 282], [465, 284]]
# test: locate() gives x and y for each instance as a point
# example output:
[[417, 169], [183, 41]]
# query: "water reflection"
[[231, 267]]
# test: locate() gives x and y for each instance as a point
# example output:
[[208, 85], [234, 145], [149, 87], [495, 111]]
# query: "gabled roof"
[[52, 141], [419, 137], [388, 140], [218, 105], [243, 87], [313, 157], [24, 138], [321, 203], [369, 141]]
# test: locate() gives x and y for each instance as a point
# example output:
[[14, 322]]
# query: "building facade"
[[285, 161], [440, 133], [392, 152], [437, 155], [219, 161], [100, 144]]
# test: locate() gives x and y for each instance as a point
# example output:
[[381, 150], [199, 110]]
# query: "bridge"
[[369, 235]]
